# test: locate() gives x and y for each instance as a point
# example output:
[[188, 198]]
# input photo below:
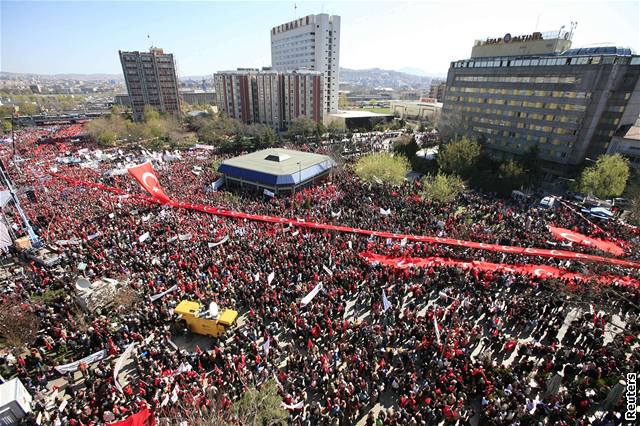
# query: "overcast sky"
[[84, 37]]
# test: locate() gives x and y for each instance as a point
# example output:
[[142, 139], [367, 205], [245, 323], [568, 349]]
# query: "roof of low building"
[[358, 114], [277, 166]]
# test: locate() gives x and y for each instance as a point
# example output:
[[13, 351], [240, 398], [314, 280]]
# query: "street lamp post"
[[299, 173]]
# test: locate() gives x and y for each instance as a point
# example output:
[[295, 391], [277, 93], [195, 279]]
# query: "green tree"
[[459, 156], [512, 174], [28, 108], [334, 128], [150, 114], [260, 406], [6, 126], [268, 138], [607, 178], [441, 187], [406, 145], [343, 102], [301, 127], [382, 167], [634, 213], [320, 130]]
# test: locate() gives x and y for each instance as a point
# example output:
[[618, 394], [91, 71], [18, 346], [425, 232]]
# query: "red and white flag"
[[147, 177]]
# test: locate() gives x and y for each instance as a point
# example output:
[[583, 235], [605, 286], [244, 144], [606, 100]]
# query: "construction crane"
[[35, 240]]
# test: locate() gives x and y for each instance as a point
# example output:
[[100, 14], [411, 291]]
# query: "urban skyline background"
[[205, 37]]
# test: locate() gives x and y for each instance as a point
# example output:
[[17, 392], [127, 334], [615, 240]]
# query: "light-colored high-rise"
[[151, 81], [311, 42]]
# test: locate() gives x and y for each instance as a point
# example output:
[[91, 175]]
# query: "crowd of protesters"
[[378, 345]]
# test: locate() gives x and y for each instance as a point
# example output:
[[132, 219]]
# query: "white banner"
[[266, 346], [184, 237], [297, 406], [89, 359], [268, 193], [271, 276], [309, 297], [385, 302], [164, 293], [217, 243], [73, 241], [207, 147], [217, 184], [435, 325], [385, 212], [5, 238], [336, 214], [120, 363], [327, 270], [142, 238], [5, 197]]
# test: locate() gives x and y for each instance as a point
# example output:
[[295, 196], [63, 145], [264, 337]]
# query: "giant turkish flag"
[[567, 234], [145, 174]]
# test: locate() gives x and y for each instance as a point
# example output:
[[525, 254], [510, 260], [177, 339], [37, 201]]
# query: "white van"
[[547, 203]]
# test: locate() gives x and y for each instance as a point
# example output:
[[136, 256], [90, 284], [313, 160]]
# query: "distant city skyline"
[[205, 37]]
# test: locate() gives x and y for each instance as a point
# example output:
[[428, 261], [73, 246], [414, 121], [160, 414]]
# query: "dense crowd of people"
[[377, 345]]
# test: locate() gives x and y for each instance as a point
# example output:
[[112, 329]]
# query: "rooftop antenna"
[[150, 41], [537, 22], [574, 24], [295, 11]]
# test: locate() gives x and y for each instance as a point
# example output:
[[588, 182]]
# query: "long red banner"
[[529, 251], [537, 271], [576, 237], [143, 417]]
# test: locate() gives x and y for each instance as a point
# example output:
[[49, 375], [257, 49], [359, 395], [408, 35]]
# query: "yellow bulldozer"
[[208, 321]]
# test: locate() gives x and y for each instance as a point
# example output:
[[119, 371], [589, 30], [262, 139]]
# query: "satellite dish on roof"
[[213, 310], [82, 284]]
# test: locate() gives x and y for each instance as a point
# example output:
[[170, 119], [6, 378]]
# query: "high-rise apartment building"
[[151, 81], [311, 42], [438, 90], [567, 104], [270, 97]]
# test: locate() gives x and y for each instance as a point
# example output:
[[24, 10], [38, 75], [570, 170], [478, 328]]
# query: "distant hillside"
[[80, 77], [376, 77]]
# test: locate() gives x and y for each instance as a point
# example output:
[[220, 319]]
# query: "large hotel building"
[[151, 81], [534, 91], [270, 97], [313, 43]]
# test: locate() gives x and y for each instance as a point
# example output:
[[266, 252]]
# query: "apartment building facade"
[[311, 42], [151, 81], [270, 97], [438, 91], [565, 105]]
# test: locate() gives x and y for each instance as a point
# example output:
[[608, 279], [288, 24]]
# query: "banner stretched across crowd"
[[146, 176], [576, 237], [537, 271]]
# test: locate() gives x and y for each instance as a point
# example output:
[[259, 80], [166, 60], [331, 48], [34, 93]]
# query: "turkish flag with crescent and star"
[[147, 177]]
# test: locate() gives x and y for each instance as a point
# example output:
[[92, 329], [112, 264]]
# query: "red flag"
[[142, 418], [147, 177]]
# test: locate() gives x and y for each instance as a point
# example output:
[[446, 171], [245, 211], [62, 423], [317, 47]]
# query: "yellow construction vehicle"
[[208, 322]]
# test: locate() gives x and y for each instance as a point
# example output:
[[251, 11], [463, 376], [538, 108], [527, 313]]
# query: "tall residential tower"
[[151, 81], [311, 42], [273, 98]]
